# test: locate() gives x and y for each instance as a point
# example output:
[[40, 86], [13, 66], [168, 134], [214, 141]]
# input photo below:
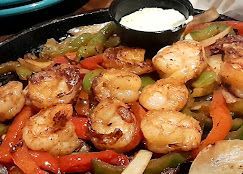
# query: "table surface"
[[65, 8]]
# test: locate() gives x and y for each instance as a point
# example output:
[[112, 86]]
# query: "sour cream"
[[154, 19]]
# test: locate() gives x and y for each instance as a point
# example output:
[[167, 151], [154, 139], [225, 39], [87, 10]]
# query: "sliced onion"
[[229, 98], [35, 66], [139, 163], [3, 169], [208, 16], [214, 63], [212, 40], [198, 105], [224, 157], [87, 29], [188, 37]]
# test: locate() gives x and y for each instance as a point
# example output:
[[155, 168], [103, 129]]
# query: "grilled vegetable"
[[88, 79], [100, 167], [222, 122], [207, 32], [156, 166], [139, 163], [238, 134], [146, 80], [8, 67], [3, 129]]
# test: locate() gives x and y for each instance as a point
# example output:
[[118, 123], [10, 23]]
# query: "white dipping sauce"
[[153, 19]]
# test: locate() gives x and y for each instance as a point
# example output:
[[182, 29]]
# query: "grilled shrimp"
[[114, 126], [183, 60], [51, 130], [127, 59], [167, 131], [57, 85], [164, 94], [12, 100], [232, 75], [118, 84], [231, 70]]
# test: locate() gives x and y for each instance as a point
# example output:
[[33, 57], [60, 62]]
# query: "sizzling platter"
[[87, 103]]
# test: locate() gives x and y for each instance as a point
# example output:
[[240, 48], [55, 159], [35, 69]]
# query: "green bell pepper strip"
[[23, 73], [81, 40], [3, 129], [205, 79], [238, 134], [156, 166], [103, 34], [203, 91], [98, 39], [63, 49], [88, 79], [86, 51], [109, 30], [8, 67], [209, 31], [96, 44], [113, 41], [100, 167], [237, 123], [146, 80]]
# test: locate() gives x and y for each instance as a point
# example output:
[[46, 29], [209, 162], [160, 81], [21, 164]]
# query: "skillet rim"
[[45, 24]]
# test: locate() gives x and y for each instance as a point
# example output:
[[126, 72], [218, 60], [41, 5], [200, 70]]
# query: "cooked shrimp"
[[51, 130], [57, 85], [127, 59], [232, 75], [164, 94], [114, 126], [117, 84], [167, 131], [12, 100], [183, 60]]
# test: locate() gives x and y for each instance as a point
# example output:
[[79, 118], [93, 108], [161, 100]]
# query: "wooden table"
[[91, 5], [95, 4]]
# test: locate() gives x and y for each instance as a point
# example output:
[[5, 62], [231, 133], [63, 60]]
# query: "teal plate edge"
[[12, 2], [28, 8]]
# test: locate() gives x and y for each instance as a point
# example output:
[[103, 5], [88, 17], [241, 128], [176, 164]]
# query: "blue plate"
[[28, 8], [12, 2]]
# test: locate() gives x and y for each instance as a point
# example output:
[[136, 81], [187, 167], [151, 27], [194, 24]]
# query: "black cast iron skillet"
[[17, 46], [32, 38]]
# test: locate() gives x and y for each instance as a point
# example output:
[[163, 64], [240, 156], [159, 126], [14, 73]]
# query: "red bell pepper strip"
[[81, 127], [236, 25], [82, 106], [14, 134], [82, 162], [121, 160], [25, 162], [138, 111], [45, 161], [60, 60], [222, 122], [92, 63]]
